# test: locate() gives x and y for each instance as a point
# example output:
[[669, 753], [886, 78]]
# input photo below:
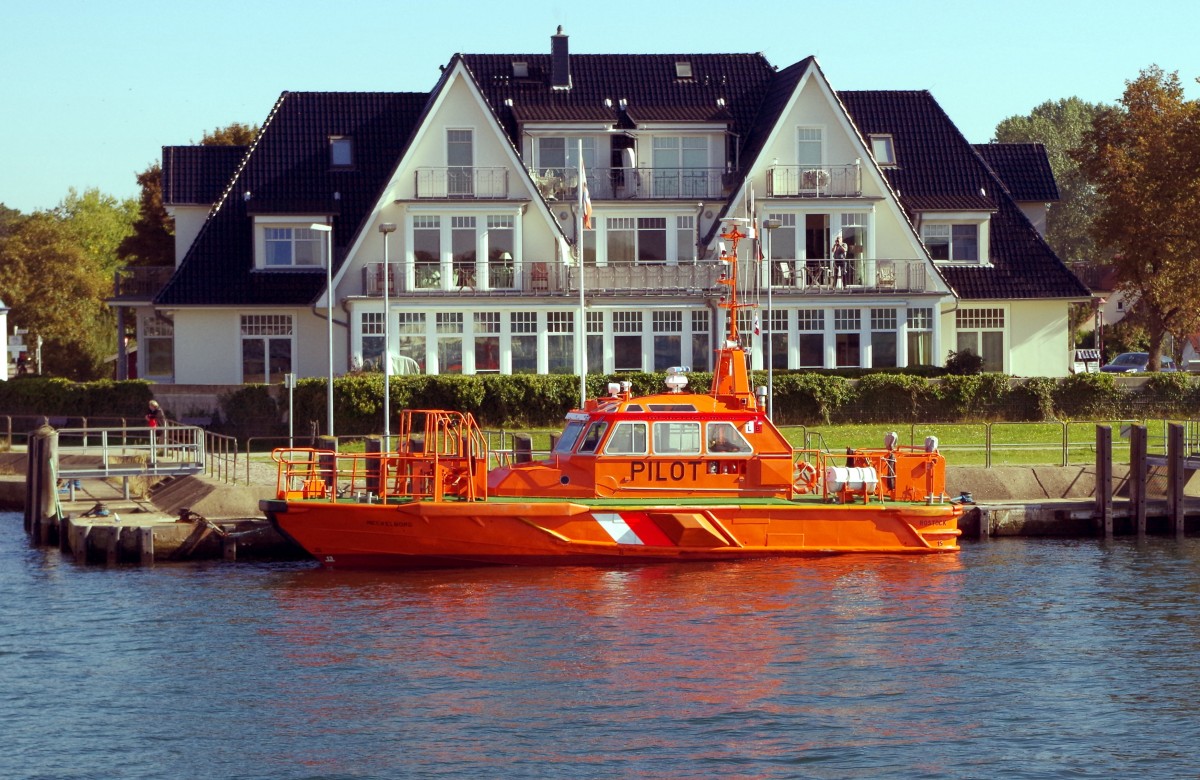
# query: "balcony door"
[[460, 162]]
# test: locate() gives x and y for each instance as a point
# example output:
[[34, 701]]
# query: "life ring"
[[804, 478]]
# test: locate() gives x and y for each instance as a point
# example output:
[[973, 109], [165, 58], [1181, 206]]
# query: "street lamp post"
[[768, 226], [328, 230], [386, 228]]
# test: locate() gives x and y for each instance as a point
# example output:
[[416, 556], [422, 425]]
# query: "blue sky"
[[93, 89]]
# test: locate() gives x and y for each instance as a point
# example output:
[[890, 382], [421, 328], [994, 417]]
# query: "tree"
[[56, 290], [153, 238], [1060, 126], [1144, 159]]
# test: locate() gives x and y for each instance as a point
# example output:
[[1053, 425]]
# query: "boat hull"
[[426, 534]]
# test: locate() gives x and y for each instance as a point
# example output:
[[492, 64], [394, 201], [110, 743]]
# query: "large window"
[[501, 251], [450, 342], [487, 342], [427, 251], [778, 356], [883, 338], [523, 326], [668, 339], [560, 342], [560, 154], [701, 344], [627, 341], [809, 147], [981, 332], [266, 348], [595, 342], [811, 339], [680, 167], [636, 240], [158, 340], [372, 324], [410, 339], [950, 242], [460, 161], [920, 337], [846, 325], [293, 246], [462, 244]]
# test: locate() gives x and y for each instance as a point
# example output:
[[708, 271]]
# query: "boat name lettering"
[[391, 523], [664, 471]]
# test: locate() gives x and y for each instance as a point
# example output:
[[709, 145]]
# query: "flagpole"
[[581, 327]]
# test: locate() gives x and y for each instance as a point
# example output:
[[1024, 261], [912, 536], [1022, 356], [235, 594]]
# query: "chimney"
[[560, 61]]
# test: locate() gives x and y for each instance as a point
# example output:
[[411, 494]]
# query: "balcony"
[[134, 284], [505, 279], [861, 275], [636, 183], [462, 183], [814, 181]]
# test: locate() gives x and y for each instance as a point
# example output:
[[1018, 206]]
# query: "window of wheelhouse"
[[724, 438], [570, 435], [628, 438], [595, 434], [266, 348], [676, 438]]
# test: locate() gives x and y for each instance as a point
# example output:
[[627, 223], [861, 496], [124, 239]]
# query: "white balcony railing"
[[814, 181], [463, 182]]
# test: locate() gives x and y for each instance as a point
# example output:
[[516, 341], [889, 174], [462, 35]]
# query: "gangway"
[[102, 453]]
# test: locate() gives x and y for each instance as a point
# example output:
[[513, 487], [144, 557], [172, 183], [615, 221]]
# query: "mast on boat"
[[731, 376]]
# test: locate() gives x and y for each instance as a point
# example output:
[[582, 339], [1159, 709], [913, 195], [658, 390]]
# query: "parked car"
[[1136, 362]]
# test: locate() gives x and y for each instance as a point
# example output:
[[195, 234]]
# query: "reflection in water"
[[1013, 659]]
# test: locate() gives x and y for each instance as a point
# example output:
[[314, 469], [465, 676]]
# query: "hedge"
[[531, 400]]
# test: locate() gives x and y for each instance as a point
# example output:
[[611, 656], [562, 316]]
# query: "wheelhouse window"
[[676, 438], [570, 436], [628, 438], [593, 438], [724, 438]]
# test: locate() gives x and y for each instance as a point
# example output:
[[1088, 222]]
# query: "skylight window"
[[520, 70], [341, 152], [683, 70], [883, 150]]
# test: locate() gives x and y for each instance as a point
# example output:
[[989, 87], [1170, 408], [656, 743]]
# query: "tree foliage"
[[1143, 157], [1060, 126], [56, 291]]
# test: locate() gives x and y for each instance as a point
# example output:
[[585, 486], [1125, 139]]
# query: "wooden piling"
[[1137, 476], [1104, 480], [229, 548], [146, 545], [1176, 477]]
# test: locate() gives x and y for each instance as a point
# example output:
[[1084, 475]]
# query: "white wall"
[[188, 221]]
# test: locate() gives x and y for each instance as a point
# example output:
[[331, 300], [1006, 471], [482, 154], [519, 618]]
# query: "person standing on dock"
[[156, 419]]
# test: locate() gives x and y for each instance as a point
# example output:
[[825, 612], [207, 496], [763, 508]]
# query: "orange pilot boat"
[[673, 476]]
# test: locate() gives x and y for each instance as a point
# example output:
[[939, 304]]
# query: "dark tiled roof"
[[646, 82], [193, 175], [288, 171], [936, 169], [935, 166], [1024, 169]]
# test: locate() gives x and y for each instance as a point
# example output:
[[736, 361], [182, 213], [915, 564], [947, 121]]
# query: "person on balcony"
[[840, 266]]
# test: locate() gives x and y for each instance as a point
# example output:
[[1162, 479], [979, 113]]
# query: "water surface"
[[1015, 659]]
